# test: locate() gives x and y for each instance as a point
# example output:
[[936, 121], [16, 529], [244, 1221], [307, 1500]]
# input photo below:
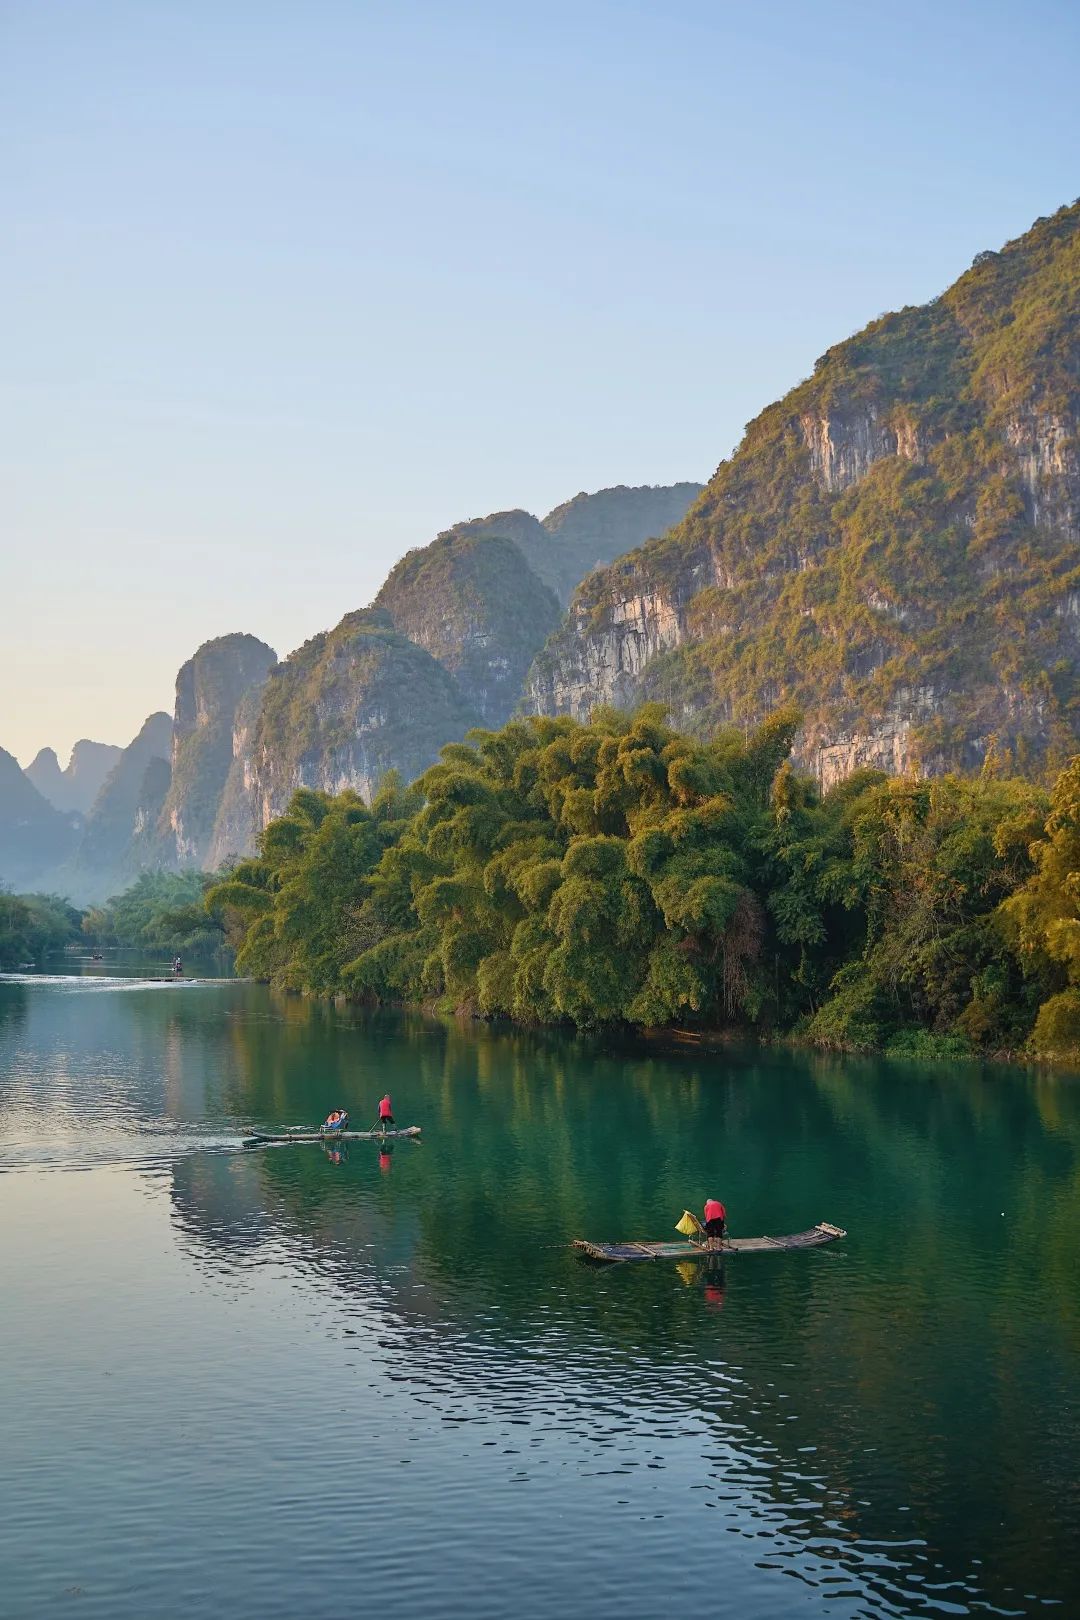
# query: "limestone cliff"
[[346, 708], [895, 546], [235, 824], [472, 601], [209, 689]]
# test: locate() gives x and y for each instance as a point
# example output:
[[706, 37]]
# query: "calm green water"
[[272, 1384]]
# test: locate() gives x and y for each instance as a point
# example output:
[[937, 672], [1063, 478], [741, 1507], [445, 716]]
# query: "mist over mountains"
[[78, 785]]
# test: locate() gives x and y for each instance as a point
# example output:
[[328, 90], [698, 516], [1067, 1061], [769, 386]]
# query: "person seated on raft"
[[336, 1120], [715, 1223]]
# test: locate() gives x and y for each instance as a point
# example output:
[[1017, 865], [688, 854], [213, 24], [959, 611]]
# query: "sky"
[[291, 288]]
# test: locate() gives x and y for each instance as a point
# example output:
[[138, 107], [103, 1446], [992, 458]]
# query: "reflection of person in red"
[[714, 1292], [385, 1160]]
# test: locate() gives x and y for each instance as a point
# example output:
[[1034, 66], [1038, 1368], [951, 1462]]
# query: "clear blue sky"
[[288, 288]]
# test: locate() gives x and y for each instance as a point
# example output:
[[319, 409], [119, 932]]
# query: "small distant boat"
[[268, 1138], [813, 1238]]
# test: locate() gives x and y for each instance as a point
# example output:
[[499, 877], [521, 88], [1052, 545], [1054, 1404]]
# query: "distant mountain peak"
[[77, 786]]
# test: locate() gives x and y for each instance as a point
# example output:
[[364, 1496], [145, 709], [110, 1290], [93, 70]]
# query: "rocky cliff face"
[[209, 690], [348, 707], [76, 787], [472, 601], [894, 546], [235, 824]]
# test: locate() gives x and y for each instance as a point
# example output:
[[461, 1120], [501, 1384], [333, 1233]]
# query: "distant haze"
[[292, 289]]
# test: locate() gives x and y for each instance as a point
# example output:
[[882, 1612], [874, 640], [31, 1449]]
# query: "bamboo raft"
[[273, 1138], [813, 1238]]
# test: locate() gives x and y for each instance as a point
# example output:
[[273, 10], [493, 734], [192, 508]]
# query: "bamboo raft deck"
[[812, 1238], [277, 1138]]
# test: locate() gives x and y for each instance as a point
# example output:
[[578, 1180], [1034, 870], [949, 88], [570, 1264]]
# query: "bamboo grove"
[[619, 872]]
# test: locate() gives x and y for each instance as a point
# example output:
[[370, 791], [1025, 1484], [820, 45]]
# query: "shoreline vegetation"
[[619, 874], [163, 911]]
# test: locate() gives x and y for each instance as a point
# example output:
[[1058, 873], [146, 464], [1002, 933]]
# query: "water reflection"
[[897, 1363], [892, 1420]]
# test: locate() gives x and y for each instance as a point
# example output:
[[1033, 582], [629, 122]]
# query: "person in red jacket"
[[715, 1223], [386, 1112]]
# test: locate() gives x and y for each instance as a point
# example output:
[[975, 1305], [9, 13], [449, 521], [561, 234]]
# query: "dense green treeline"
[[33, 926], [618, 871], [161, 910]]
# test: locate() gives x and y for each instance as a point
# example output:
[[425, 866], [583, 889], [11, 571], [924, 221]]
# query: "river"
[[288, 1383]]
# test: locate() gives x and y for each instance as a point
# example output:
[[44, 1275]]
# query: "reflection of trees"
[[908, 1354], [12, 1006]]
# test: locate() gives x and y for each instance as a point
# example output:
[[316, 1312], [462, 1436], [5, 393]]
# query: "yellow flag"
[[689, 1226]]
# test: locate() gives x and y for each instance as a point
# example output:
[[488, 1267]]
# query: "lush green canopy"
[[33, 926], [161, 910], [618, 871]]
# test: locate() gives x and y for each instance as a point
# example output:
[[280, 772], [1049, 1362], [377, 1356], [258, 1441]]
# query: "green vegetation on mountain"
[[584, 532], [473, 603], [34, 926], [618, 872], [350, 706], [895, 546]]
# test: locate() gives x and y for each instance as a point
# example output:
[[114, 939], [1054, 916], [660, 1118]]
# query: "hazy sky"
[[289, 288]]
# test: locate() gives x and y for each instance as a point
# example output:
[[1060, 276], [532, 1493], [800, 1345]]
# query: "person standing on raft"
[[715, 1223], [386, 1112]]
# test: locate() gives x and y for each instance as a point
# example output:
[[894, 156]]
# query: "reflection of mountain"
[[838, 1388]]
